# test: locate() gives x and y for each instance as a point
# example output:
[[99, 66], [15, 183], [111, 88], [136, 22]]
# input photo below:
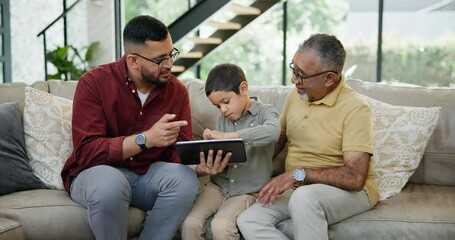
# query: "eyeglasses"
[[301, 78], [172, 57]]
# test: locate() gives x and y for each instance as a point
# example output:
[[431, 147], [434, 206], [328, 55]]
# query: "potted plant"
[[69, 62]]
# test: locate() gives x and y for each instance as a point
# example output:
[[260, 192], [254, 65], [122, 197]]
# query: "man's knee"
[[305, 197], [244, 219], [103, 183], [186, 178]]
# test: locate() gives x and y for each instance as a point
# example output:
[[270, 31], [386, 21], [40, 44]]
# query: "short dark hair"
[[330, 50], [224, 77], [143, 28]]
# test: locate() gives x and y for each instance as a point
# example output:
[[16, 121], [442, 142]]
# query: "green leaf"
[[90, 50], [69, 62]]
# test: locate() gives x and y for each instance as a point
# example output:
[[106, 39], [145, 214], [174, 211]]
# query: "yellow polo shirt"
[[319, 132]]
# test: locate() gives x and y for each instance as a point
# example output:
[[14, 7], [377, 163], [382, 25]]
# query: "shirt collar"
[[255, 107], [332, 97]]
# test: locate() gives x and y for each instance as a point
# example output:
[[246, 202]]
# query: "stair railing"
[[43, 32]]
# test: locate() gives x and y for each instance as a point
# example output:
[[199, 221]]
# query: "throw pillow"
[[401, 135], [47, 127], [15, 172]]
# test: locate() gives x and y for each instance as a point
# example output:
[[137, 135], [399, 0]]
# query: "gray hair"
[[329, 49]]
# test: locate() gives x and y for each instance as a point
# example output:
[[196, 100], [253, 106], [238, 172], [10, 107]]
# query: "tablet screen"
[[189, 150]]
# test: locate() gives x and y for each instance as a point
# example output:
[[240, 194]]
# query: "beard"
[[304, 96], [149, 77]]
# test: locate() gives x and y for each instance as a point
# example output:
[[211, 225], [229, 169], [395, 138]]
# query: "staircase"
[[238, 16]]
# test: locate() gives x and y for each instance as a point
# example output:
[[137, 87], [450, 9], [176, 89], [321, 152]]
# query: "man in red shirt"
[[127, 115]]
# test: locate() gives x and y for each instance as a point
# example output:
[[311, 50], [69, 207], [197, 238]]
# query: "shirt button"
[[235, 166], [232, 180], [140, 113], [131, 158], [133, 91], [305, 117], [251, 124]]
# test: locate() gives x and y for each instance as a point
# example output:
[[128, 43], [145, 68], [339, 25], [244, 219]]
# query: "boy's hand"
[[213, 134], [207, 134], [164, 132], [212, 167]]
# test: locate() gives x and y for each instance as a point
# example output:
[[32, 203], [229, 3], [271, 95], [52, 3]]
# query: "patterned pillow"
[[401, 135], [47, 129]]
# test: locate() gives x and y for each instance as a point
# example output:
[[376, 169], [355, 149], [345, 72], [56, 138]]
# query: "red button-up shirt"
[[107, 108]]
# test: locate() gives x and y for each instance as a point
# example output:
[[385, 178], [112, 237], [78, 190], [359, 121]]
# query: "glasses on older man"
[[300, 78], [161, 62]]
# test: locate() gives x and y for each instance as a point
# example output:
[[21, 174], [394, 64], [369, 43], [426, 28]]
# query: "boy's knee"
[[192, 223], [192, 228], [223, 227]]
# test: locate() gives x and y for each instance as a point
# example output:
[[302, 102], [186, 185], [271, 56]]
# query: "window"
[[419, 42], [353, 22], [5, 52]]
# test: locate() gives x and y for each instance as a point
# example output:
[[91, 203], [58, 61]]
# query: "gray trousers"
[[166, 192], [311, 208]]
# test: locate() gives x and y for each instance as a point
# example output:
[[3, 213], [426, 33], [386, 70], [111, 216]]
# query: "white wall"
[[89, 21], [28, 18], [101, 19]]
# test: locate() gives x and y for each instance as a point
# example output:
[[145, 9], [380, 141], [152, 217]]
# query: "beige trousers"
[[210, 201]]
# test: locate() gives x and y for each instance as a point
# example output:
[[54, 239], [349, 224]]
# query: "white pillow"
[[47, 129], [401, 135]]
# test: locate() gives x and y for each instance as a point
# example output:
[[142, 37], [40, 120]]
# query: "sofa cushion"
[[51, 214], [15, 171], [203, 113], [11, 230], [400, 137], [64, 89], [418, 212], [47, 127]]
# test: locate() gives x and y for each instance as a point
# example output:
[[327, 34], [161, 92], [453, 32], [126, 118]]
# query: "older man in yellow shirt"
[[329, 172]]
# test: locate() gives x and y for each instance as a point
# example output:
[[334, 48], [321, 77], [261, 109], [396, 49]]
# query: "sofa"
[[423, 209]]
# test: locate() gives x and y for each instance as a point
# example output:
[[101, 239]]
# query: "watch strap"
[[143, 147]]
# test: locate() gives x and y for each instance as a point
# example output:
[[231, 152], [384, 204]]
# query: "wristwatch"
[[299, 176], [140, 140]]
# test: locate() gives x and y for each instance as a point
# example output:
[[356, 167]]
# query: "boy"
[[230, 192]]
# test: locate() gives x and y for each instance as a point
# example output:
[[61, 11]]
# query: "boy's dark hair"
[[143, 28], [224, 77]]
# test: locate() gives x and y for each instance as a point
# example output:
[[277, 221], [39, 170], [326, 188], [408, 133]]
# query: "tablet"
[[189, 150]]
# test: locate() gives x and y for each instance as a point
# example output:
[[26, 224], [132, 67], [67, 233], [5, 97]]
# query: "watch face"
[[299, 175], [140, 139]]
